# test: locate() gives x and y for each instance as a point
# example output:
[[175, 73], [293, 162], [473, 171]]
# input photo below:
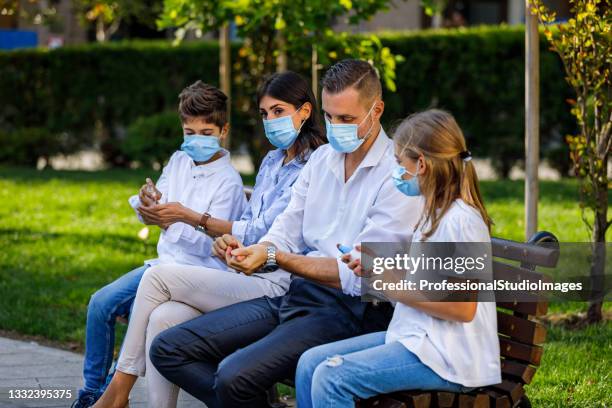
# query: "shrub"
[[152, 140], [26, 145]]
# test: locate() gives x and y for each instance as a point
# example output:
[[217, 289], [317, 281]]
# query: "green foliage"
[[90, 93], [152, 140], [273, 27], [25, 145], [584, 44], [476, 73]]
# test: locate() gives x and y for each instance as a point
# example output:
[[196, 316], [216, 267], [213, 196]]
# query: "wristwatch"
[[201, 227], [270, 265]]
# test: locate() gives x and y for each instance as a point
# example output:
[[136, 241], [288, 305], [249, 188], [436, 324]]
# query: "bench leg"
[[524, 403]]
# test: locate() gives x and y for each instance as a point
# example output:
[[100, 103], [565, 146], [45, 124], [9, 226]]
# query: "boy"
[[197, 179]]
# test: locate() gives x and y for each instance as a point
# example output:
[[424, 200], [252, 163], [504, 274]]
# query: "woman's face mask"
[[344, 137], [408, 187], [280, 131], [199, 147]]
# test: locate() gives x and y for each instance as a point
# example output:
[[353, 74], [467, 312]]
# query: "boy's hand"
[[149, 194], [163, 214]]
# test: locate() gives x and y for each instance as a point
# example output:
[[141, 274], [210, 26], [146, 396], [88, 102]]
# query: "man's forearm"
[[318, 269]]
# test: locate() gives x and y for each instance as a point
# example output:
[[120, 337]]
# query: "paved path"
[[29, 366]]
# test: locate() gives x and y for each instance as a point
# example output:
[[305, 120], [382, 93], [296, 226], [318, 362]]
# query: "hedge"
[[92, 93]]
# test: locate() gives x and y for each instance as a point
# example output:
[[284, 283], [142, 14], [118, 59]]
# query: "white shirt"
[[215, 188], [463, 353], [325, 210]]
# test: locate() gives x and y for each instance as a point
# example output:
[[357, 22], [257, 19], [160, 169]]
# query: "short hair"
[[203, 101], [353, 73]]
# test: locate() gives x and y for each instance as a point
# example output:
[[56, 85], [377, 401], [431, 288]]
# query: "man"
[[344, 195]]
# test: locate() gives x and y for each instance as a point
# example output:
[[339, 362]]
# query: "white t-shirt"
[[215, 188], [463, 353]]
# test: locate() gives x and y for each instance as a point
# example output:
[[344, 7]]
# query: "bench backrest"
[[520, 335]]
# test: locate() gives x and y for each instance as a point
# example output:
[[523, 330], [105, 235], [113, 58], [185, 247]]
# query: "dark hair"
[[204, 101], [353, 73], [294, 89]]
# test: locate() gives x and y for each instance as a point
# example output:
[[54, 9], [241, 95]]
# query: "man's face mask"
[[344, 137]]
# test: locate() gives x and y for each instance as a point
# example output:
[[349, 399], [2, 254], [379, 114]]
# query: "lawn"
[[65, 234]]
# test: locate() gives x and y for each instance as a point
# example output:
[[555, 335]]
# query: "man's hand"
[[149, 194], [163, 215], [224, 244], [252, 258]]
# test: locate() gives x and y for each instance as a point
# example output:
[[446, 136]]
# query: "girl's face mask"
[[408, 187]]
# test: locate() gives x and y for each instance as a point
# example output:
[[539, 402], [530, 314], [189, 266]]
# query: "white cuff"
[[135, 203], [350, 283]]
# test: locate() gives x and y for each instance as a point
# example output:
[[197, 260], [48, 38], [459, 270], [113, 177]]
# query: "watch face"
[[269, 268]]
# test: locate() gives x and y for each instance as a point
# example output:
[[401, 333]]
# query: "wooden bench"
[[520, 336]]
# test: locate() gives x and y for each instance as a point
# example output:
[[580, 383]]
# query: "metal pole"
[[532, 120], [225, 73]]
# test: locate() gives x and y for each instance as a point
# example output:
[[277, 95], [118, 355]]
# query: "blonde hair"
[[435, 135]]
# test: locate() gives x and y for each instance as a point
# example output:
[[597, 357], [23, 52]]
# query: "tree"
[[107, 15], [584, 44], [278, 33]]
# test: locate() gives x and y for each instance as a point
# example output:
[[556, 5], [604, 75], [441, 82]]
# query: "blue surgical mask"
[[344, 137], [409, 187], [200, 148], [280, 131]]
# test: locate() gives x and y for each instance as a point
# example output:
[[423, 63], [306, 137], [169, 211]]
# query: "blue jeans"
[[114, 299], [334, 374]]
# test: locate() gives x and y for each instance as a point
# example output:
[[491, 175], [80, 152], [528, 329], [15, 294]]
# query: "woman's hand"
[[223, 245], [163, 215], [248, 259]]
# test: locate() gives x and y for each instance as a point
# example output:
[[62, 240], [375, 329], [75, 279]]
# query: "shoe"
[[84, 401]]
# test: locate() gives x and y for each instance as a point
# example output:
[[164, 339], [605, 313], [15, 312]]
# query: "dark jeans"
[[231, 356]]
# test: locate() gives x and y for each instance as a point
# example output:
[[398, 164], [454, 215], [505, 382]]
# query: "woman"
[[428, 345], [171, 294]]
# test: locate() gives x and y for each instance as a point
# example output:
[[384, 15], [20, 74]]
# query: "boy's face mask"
[[344, 137], [199, 147], [280, 131]]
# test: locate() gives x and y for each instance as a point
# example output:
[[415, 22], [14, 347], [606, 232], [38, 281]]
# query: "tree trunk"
[[598, 262]]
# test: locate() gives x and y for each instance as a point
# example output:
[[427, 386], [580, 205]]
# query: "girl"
[[172, 294], [428, 345]]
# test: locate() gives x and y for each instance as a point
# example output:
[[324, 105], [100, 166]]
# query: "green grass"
[[65, 234]]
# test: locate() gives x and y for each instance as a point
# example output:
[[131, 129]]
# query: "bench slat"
[[537, 306], [474, 401], [546, 256], [524, 352], [514, 273], [513, 389], [515, 370], [520, 329]]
